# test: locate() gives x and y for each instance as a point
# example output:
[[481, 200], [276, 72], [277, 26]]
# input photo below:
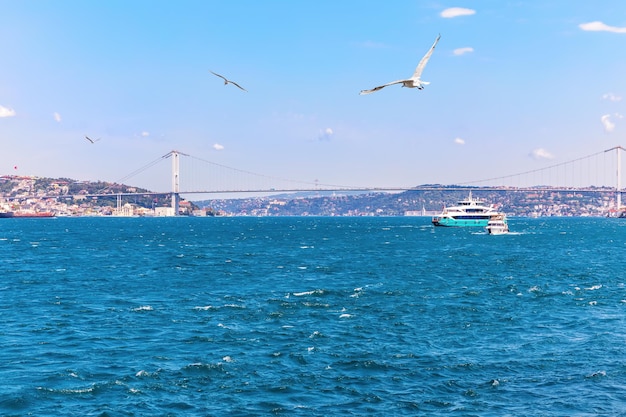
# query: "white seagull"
[[227, 81], [91, 140], [414, 81]]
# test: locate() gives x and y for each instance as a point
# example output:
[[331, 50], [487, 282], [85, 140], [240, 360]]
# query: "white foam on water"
[[303, 293]]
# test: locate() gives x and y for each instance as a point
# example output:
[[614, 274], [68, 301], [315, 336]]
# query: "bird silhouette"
[[227, 81], [414, 81], [91, 140]]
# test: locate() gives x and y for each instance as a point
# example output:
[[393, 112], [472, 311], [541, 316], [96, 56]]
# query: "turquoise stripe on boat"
[[446, 221]]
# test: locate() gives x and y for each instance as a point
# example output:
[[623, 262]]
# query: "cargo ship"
[[33, 214], [26, 214]]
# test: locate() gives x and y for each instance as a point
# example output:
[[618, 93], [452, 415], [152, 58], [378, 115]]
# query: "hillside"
[[536, 203], [72, 197]]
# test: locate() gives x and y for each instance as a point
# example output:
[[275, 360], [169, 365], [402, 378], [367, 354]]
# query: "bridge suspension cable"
[[541, 170], [312, 184], [143, 168]]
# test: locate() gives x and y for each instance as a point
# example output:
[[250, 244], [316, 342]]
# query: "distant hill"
[[534, 203]]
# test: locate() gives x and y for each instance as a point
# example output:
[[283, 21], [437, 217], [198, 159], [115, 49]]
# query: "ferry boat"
[[497, 225], [467, 212]]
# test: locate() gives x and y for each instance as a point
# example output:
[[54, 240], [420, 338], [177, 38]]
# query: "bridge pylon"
[[175, 179], [175, 182], [618, 186]]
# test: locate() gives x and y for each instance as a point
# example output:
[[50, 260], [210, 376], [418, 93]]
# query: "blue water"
[[311, 317]]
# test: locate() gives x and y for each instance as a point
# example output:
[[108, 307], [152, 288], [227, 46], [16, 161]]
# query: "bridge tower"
[[175, 182], [618, 187], [619, 174]]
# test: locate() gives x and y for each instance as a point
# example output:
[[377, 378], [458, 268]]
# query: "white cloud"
[[611, 97], [601, 27], [145, 134], [457, 11], [459, 141], [541, 153], [462, 51], [608, 124], [6, 112], [218, 147], [57, 117], [326, 134]]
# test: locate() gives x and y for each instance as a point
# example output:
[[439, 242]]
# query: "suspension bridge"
[[598, 172]]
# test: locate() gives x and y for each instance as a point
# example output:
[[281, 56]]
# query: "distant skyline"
[[514, 86]]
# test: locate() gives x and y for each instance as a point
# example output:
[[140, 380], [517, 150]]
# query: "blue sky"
[[514, 86]]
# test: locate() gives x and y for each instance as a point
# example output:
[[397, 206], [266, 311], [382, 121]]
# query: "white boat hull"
[[497, 225], [497, 230]]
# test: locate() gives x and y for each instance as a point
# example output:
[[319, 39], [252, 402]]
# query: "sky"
[[514, 86]]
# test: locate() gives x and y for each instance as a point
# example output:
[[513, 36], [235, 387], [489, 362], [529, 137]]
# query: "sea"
[[311, 316]]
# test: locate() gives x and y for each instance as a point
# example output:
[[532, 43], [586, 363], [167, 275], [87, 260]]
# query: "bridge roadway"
[[337, 189]]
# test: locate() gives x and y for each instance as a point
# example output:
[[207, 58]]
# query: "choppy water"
[[311, 317]]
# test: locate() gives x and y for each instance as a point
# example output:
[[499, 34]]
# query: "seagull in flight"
[[227, 81], [91, 140], [414, 81]]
